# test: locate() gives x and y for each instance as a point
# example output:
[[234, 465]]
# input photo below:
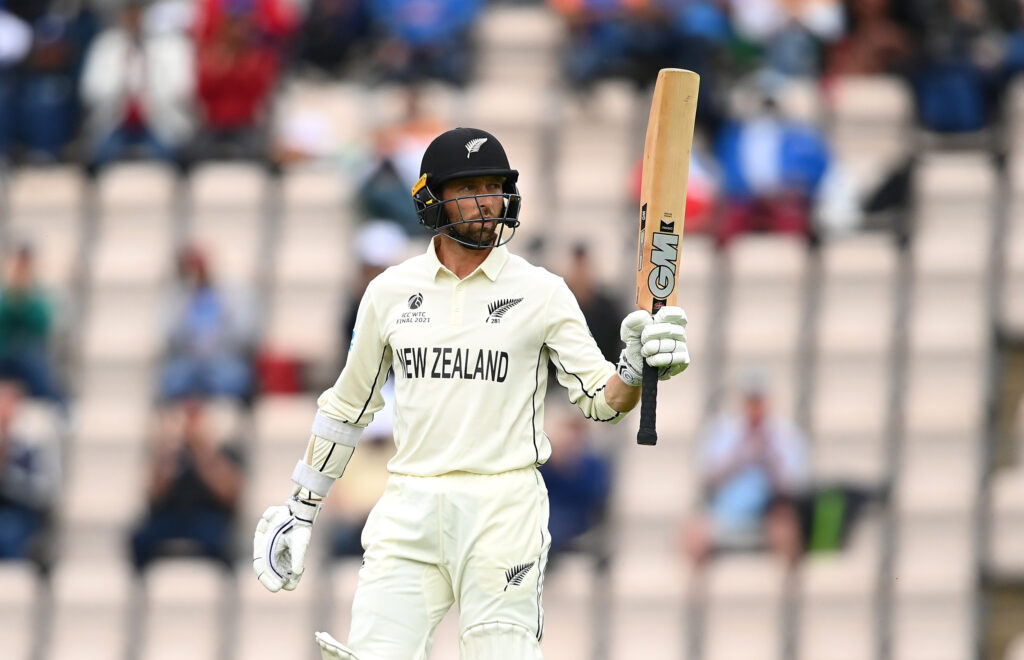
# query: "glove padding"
[[280, 543], [658, 339]]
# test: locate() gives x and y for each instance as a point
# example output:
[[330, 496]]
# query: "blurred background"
[[193, 194]]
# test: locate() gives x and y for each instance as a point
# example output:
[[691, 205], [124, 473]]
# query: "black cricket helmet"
[[458, 154]]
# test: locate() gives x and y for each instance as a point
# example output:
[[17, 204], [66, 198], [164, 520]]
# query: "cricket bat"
[[666, 171]]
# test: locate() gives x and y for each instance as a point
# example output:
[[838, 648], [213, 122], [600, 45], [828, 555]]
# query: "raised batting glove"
[[630, 367], [663, 342], [660, 339], [280, 544]]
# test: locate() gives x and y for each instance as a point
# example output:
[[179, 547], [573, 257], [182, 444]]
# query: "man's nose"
[[492, 204]]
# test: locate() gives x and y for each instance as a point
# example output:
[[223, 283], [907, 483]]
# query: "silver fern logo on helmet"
[[474, 145]]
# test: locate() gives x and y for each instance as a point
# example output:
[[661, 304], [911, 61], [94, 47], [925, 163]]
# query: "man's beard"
[[477, 232]]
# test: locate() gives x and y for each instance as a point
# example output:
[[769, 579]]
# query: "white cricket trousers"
[[479, 542]]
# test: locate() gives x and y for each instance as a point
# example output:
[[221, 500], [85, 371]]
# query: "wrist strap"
[[304, 510], [312, 479], [629, 374]]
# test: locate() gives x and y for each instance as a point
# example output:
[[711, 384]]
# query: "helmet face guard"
[[471, 233], [464, 153]]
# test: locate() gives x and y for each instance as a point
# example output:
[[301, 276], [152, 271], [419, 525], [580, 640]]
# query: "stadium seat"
[[232, 243], [104, 493], [660, 483], [838, 600], [330, 115], [934, 557], [1007, 524], [304, 322], [849, 411], [19, 598], [868, 128], [92, 606], [137, 189], [132, 253], [99, 420], [123, 326], [283, 420], [745, 608], [229, 187], [185, 603], [279, 625], [45, 210], [944, 396], [766, 302], [936, 629], [528, 35]]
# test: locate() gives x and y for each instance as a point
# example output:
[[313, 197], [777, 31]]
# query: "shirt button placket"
[[457, 303]]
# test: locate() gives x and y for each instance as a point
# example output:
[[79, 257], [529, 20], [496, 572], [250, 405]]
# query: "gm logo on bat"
[[664, 255]]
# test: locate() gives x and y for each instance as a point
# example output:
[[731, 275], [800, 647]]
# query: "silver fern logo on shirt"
[[514, 576], [497, 309]]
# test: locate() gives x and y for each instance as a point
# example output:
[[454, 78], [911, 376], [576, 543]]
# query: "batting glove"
[[664, 342], [660, 339], [280, 544]]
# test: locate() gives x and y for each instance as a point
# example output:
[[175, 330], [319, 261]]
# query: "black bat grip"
[[648, 433]]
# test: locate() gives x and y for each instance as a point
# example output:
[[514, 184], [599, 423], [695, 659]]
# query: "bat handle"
[[648, 433]]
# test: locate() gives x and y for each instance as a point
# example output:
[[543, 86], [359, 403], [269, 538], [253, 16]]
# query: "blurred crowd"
[[186, 80], [183, 81]]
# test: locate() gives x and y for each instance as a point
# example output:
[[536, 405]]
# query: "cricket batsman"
[[468, 329]]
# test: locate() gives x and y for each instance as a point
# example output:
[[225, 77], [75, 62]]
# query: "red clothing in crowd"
[[274, 19], [234, 87]]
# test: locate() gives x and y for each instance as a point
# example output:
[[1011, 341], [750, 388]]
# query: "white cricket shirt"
[[470, 363]]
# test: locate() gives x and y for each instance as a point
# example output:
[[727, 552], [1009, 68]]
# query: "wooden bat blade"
[[666, 173]]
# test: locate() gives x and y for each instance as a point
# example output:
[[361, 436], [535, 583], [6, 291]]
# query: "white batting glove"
[[631, 369], [664, 342], [660, 339], [280, 544]]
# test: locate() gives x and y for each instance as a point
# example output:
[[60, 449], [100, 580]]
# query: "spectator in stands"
[[753, 466], [777, 172], [875, 42], [790, 34], [332, 32], [137, 88], [379, 245], [239, 57], [578, 478], [15, 44], [41, 110], [600, 308], [274, 20], [29, 477], [424, 39], [195, 484], [26, 323], [348, 510], [1010, 16], [210, 339], [610, 38], [959, 74], [398, 148]]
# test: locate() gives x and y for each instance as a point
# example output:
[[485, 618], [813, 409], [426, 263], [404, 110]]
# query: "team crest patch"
[[497, 309], [474, 145]]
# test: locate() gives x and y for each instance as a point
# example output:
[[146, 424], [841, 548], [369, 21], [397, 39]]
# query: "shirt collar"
[[491, 266]]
